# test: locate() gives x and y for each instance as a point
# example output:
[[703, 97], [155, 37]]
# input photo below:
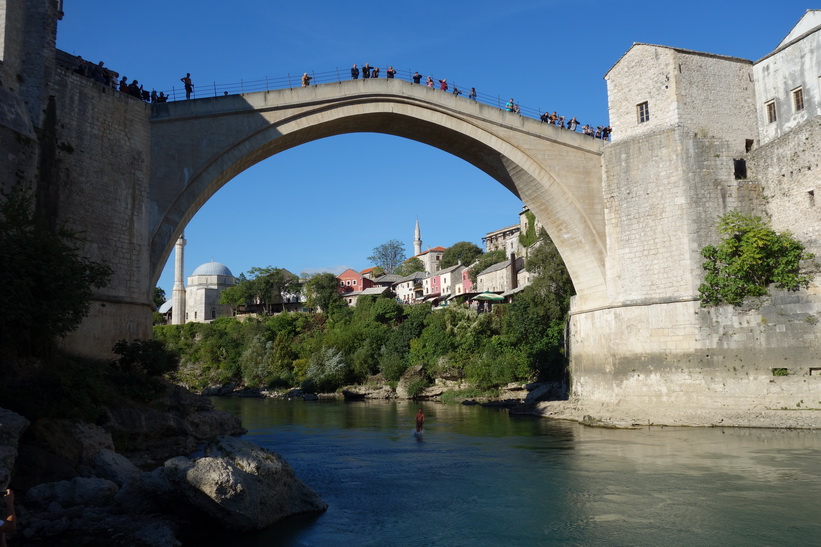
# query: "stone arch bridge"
[[198, 146]]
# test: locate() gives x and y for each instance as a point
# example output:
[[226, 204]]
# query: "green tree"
[[159, 297], [486, 261], [463, 252], [748, 259], [241, 294], [411, 265], [269, 286], [322, 291], [389, 255], [47, 283]]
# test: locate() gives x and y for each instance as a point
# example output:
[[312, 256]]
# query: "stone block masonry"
[[102, 191]]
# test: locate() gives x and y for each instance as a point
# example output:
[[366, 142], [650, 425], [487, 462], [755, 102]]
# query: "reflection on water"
[[480, 477]]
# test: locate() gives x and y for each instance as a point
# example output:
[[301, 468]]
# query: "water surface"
[[479, 476]]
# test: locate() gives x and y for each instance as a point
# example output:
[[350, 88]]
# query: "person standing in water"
[[420, 421]]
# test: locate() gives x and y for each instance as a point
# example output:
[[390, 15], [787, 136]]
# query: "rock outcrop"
[[240, 485], [12, 426]]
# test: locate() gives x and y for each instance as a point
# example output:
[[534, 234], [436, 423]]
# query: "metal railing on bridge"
[[215, 89]]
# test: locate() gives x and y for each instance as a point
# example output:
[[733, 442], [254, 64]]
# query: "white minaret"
[[417, 242], [178, 296]]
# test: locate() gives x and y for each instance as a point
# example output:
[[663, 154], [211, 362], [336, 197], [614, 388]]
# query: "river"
[[479, 476]]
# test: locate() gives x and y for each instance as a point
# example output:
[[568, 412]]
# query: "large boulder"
[[176, 423], [240, 485]]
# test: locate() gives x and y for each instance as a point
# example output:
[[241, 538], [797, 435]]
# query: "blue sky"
[[325, 205]]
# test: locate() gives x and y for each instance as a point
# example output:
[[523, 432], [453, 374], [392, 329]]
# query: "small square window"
[[798, 99], [770, 106], [643, 111]]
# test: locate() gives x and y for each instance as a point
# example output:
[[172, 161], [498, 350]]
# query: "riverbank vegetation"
[[382, 338]]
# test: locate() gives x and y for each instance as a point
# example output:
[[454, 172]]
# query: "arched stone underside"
[[198, 146]]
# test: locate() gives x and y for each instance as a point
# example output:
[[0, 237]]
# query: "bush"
[[148, 357], [47, 283], [750, 258]]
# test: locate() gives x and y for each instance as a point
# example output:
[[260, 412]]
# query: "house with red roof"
[[350, 281]]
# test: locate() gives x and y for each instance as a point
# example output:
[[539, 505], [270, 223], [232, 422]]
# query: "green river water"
[[480, 476]]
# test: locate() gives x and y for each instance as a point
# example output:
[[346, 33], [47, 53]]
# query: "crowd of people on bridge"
[[104, 76], [571, 124], [101, 74]]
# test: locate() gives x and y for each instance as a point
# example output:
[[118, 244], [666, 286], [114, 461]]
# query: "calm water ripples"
[[482, 477]]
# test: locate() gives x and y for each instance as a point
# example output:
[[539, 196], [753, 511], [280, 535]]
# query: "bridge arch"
[[199, 146]]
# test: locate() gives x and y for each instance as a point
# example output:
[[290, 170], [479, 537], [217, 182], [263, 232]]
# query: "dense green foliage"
[[265, 288], [322, 291], [749, 258], [530, 236], [47, 284], [389, 255], [379, 336], [411, 265], [463, 252], [159, 297]]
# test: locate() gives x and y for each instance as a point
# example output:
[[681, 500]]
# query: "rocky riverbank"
[[548, 400], [152, 473]]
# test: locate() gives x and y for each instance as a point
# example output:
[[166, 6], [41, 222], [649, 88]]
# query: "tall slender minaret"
[[417, 242], [178, 296]]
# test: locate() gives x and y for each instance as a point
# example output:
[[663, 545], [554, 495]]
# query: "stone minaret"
[[417, 242], [178, 296]]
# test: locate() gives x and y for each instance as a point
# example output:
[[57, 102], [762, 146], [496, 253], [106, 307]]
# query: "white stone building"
[[202, 293], [500, 277], [788, 80]]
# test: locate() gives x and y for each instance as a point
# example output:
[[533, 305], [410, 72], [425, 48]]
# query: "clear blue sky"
[[293, 210]]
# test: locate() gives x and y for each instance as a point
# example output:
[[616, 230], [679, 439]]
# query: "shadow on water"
[[479, 475]]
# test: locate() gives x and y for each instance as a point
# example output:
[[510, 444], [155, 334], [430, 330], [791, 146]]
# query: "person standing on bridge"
[[366, 71], [189, 87], [509, 105], [306, 80], [416, 77], [443, 84], [472, 94], [375, 72], [390, 73], [354, 72], [429, 82]]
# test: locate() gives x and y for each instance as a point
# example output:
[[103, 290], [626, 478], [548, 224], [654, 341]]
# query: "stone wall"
[[692, 358], [788, 169], [101, 166], [663, 194], [685, 88]]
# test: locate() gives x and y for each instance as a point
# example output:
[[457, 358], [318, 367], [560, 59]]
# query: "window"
[[354, 282], [643, 111], [798, 99], [213, 313], [770, 106]]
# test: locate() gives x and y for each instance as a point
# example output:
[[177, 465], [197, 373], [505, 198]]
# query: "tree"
[[269, 285], [486, 261], [463, 252], [389, 255], [241, 294], [159, 297], [411, 265], [322, 291], [749, 258], [46, 282]]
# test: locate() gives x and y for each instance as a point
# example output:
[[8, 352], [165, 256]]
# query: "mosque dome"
[[213, 268]]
